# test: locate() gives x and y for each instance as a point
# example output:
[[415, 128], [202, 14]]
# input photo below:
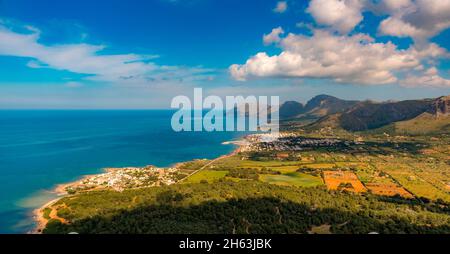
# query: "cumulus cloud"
[[397, 27], [342, 58], [428, 78], [420, 19], [85, 59], [334, 52], [392, 6], [274, 36], [341, 15], [281, 7]]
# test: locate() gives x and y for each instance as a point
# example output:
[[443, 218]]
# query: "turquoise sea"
[[42, 148]]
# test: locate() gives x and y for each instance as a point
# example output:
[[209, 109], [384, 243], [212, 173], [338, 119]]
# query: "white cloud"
[[86, 59], [395, 5], [429, 52], [346, 59], [397, 27], [429, 78], [340, 15], [420, 19], [281, 7], [274, 36], [358, 58]]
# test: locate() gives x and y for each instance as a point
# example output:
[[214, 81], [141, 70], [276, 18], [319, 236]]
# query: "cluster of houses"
[[289, 142], [120, 179]]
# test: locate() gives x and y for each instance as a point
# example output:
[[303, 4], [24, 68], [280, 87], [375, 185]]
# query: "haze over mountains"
[[427, 115]]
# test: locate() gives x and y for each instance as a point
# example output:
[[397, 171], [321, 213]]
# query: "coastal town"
[[289, 141], [119, 179]]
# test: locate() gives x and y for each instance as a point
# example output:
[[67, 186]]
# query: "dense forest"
[[244, 207]]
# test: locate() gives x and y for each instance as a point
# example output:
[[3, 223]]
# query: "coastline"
[[38, 213], [60, 192], [60, 189], [38, 217]]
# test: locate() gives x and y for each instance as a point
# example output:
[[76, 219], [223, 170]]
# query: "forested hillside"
[[244, 207]]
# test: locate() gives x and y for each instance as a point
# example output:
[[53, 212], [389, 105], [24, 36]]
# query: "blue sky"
[[140, 54]]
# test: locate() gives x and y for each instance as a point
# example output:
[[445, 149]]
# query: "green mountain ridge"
[[317, 107], [409, 116]]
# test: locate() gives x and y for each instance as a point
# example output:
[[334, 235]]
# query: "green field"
[[208, 175], [236, 162], [285, 169], [293, 179]]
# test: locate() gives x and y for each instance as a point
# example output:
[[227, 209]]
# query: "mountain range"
[[409, 116]]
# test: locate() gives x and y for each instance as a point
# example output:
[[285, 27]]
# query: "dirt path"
[[39, 216], [54, 215]]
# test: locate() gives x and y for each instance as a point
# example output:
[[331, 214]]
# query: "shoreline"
[[38, 217], [60, 189], [60, 192]]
